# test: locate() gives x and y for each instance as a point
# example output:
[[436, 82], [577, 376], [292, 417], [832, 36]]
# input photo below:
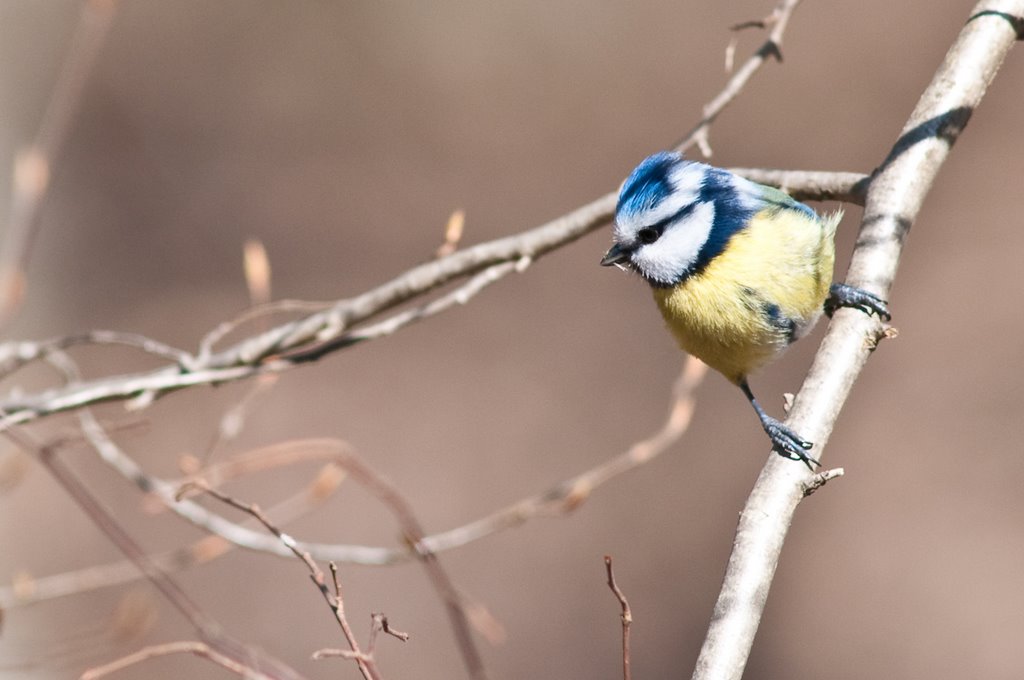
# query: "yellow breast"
[[763, 292]]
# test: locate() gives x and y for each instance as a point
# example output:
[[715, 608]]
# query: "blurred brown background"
[[343, 135]]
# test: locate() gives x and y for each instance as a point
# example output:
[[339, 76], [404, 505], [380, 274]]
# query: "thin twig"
[[333, 652], [820, 479], [571, 493], [34, 165], [334, 600], [563, 497], [232, 421], [766, 22], [772, 48], [208, 629], [894, 199], [259, 312], [308, 339], [195, 647], [414, 536], [18, 354], [627, 617], [388, 630], [809, 185], [328, 330], [379, 623], [338, 605], [391, 325], [205, 550]]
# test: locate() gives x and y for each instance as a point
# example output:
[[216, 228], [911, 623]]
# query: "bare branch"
[[563, 497], [337, 603], [414, 536], [571, 493], [332, 652], [308, 339], [380, 624], [330, 329], [893, 200], [32, 590], [208, 629], [627, 617], [233, 420], [33, 165], [386, 627], [16, 355], [770, 49], [391, 325], [263, 353], [334, 600], [222, 330], [820, 479], [806, 185], [195, 647]]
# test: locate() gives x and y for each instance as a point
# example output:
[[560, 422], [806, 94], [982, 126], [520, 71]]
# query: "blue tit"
[[739, 270]]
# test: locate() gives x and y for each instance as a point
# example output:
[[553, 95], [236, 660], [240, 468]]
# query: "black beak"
[[615, 255]]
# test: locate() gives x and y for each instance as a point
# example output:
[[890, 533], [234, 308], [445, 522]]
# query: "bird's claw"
[[788, 443], [843, 295]]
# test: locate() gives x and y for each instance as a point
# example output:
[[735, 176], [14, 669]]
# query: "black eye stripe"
[[658, 228]]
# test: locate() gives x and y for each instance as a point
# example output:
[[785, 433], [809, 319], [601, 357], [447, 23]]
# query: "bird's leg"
[[785, 441], [843, 295]]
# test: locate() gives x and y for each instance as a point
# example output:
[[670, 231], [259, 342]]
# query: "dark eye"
[[647, 235]]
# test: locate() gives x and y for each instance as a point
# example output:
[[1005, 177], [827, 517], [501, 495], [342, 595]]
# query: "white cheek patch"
[[672, 255]]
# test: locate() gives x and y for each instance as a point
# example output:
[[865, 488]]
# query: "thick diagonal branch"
[[893, 200]]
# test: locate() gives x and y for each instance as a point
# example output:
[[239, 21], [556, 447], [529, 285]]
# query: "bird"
[[739, 270]]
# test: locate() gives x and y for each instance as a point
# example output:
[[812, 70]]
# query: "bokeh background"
[[343, 135]]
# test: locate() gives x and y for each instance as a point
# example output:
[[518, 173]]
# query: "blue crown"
[[648, 184]]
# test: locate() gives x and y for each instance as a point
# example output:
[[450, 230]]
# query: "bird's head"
[[674, 216]]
